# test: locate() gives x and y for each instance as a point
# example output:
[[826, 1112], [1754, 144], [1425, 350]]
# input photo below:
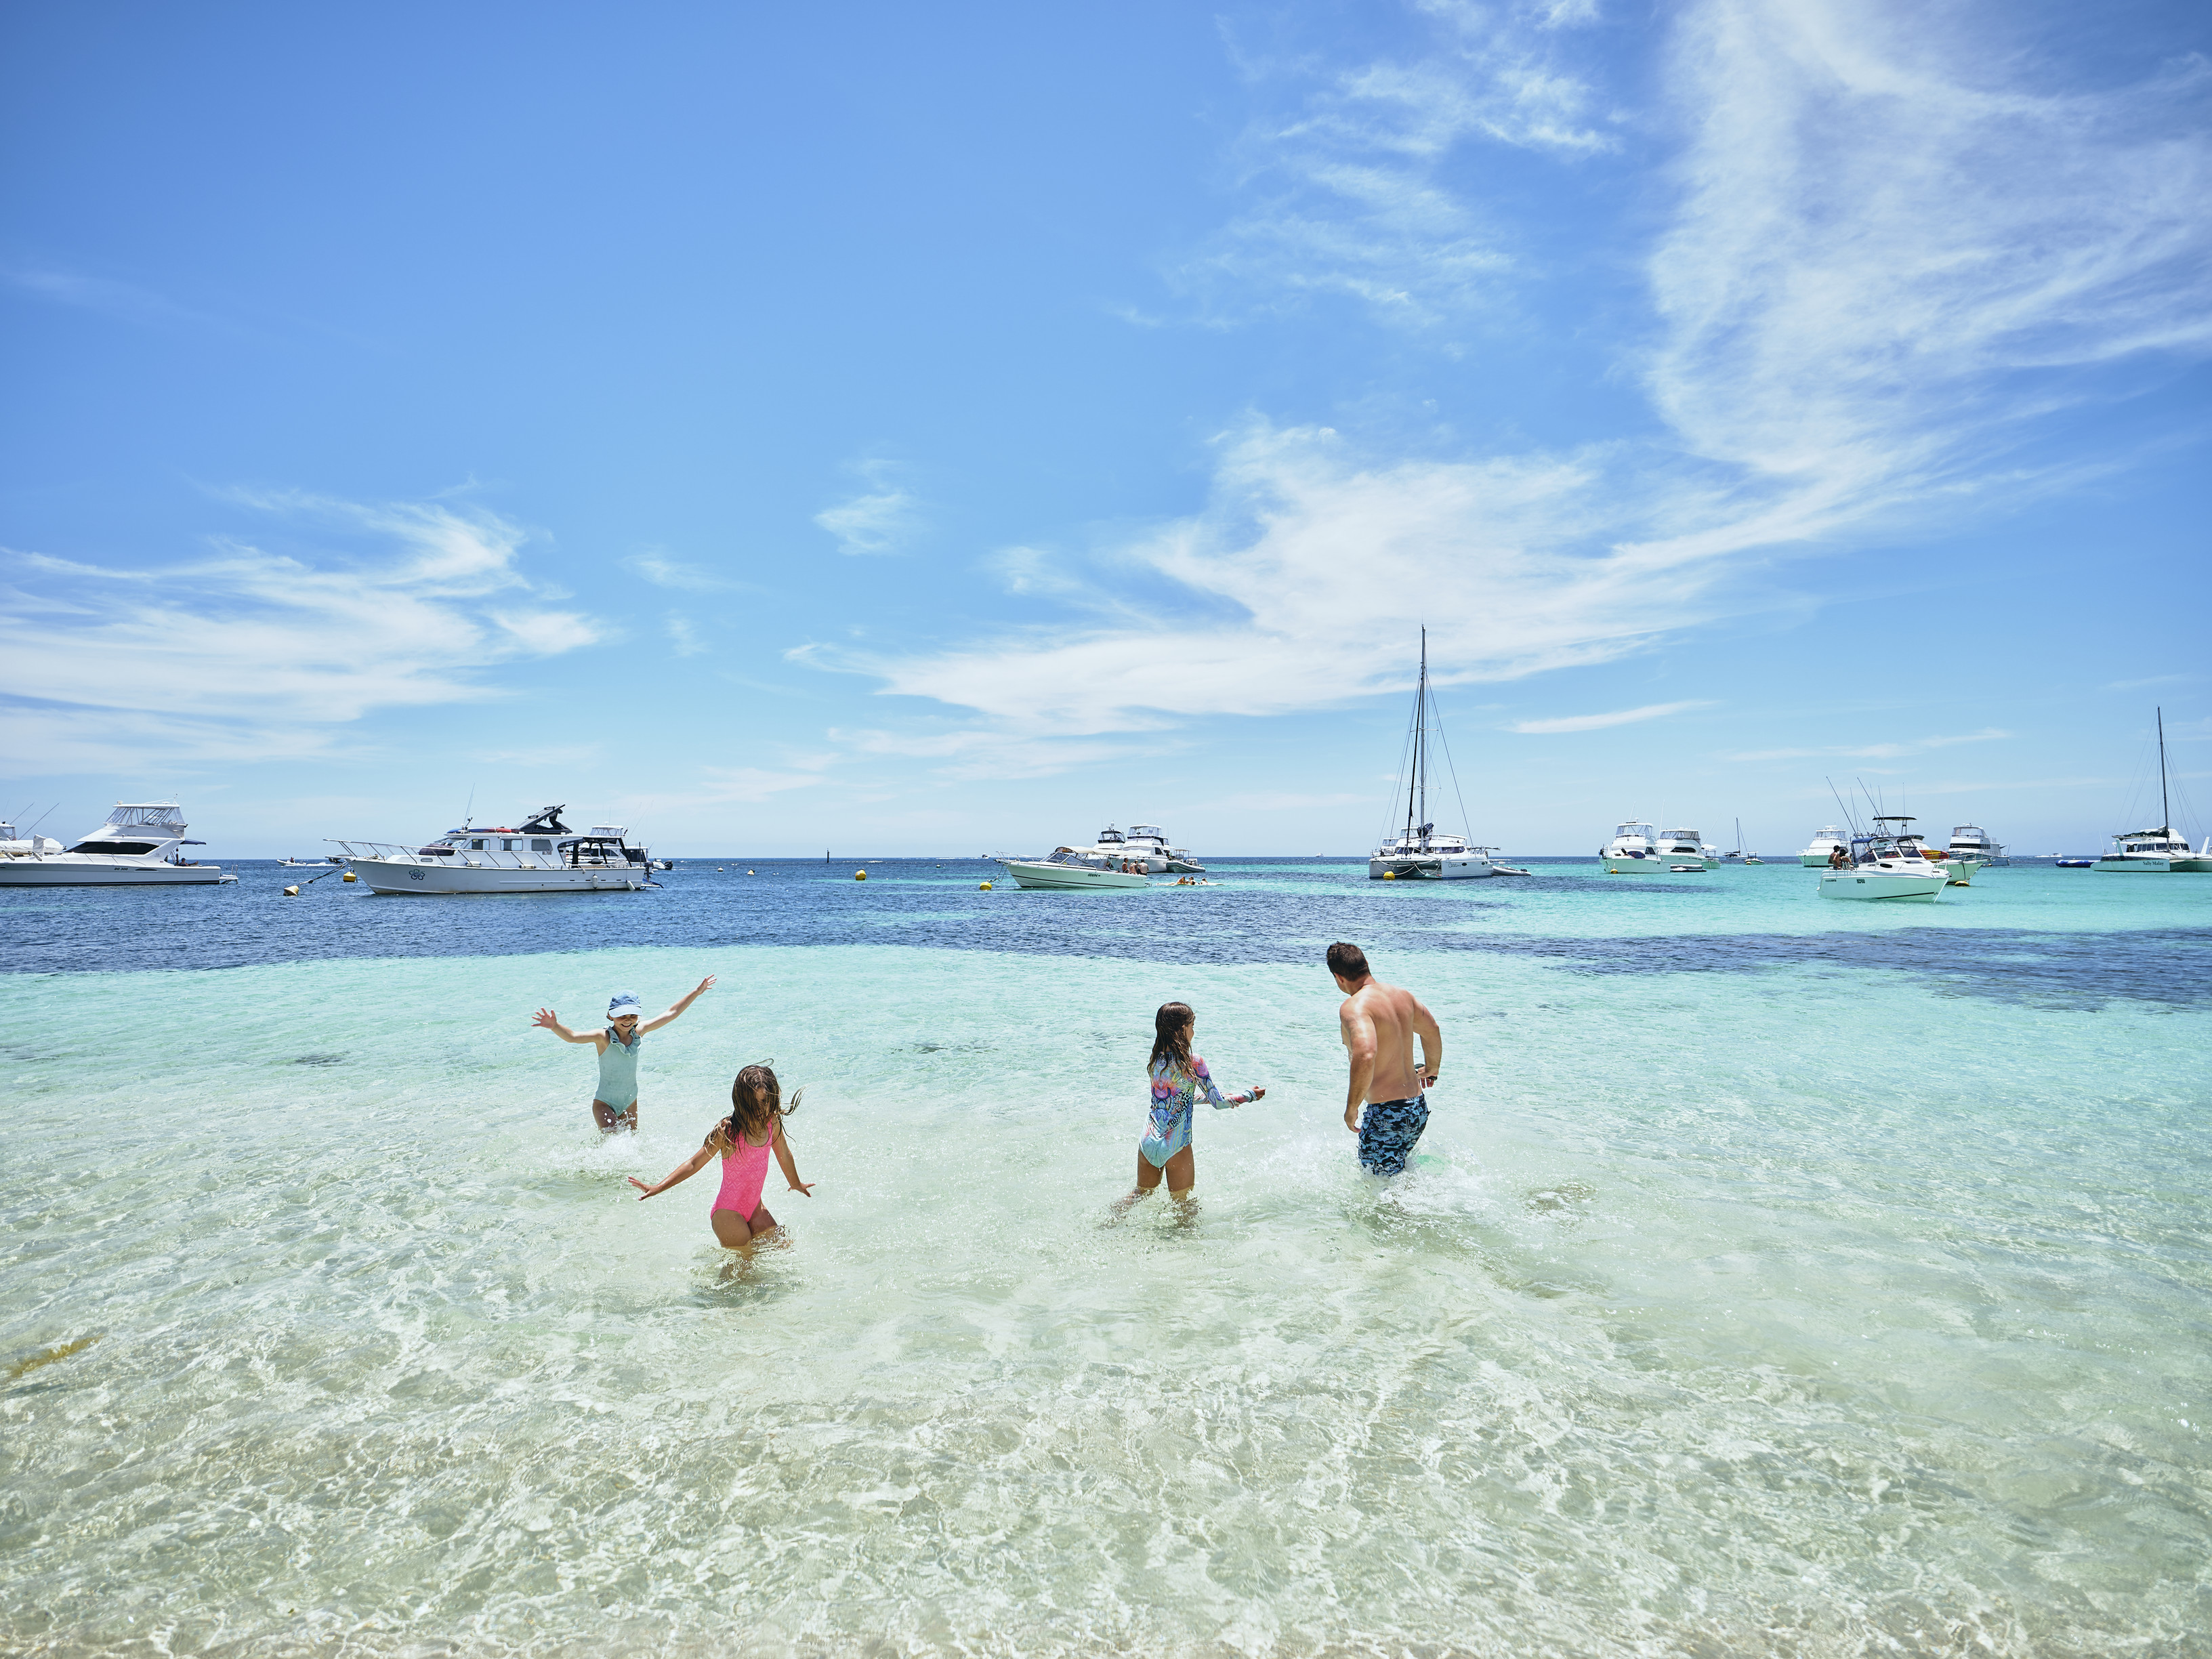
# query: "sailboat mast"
[[1422, 714], [1413, 782], [2165, 812]]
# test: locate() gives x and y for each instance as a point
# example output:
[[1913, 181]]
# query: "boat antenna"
[[42, 817], [468, 812], [2165, 812], [1840, 802]]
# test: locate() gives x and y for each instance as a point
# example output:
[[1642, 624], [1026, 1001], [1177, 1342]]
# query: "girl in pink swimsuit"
[[753, 1129]]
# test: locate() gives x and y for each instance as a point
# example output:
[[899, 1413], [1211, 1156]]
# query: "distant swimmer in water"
[[743, 1140], [1178, 1078], [613, 1102], [1378, 1024]]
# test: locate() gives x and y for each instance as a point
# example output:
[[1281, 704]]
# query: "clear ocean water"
[[1783, 1276]]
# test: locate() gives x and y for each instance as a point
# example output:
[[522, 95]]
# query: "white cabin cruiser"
[[1416, 852], [141, 845], [1816, 856], [543, 855], [1885, 866], [1073, 868]]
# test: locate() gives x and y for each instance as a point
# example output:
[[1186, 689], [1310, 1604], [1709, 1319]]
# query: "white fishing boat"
[[1884, 866], [1416, 852], [2155, 852], [1816, 856], [141, 845], [1079, 869], [540, 855]]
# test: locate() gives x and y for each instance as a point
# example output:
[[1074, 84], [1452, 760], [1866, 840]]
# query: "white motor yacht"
[[1150, 841], [1816, 856], [1072, 868], [541, 855], [1416, 852], [1685, 846], [1633, 850], [141, 845], [1972, 841], [1885, 866]]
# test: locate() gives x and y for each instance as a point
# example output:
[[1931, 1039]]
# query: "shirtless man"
[[1379, 1023]]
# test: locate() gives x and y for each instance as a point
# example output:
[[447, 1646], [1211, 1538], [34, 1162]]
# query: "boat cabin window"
[[541, 846], [121, 849], [506, 846]]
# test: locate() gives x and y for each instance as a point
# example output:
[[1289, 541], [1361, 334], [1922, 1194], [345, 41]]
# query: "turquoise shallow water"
[[1787, 1278]]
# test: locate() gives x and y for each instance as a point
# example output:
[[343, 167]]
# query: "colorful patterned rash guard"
[[1175, 1093]]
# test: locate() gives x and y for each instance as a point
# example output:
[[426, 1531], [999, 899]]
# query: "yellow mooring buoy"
[[859, 875], [1389, 875], [982, 886], [348, 877], [291, 892]]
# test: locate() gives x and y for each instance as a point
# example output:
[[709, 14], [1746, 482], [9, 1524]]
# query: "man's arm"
[[1359, 1032], [1433, 1042], [682, 1003]]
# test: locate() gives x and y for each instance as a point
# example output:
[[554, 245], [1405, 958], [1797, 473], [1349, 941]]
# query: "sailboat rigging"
[[1415, 851]]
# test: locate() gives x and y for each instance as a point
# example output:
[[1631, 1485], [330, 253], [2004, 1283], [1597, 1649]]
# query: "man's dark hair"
[[1348, 962]]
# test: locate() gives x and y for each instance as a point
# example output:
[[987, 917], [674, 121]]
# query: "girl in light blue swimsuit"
[[613, 1102], [1178, 1078]]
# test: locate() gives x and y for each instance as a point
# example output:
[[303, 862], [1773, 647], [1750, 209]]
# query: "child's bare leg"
[[762, 1223], [732, 1230], [1181, 1173], [1148, 1181], [605, 1116]]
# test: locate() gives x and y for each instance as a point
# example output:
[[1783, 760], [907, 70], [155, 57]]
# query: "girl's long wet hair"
[[1171, 1029], [756, 1104]]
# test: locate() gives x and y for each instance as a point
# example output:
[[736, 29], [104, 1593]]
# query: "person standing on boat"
[[1378, 1024], [613, 1102]]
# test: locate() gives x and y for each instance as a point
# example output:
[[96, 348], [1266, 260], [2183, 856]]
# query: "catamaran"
[[2159, 851], [141, 845], [1416, 852]]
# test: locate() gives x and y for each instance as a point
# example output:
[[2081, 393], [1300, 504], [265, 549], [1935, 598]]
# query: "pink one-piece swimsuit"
[[744, 1172]]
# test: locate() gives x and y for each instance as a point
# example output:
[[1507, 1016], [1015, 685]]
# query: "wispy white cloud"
[[684, 634], [2155, 679], [1651, 711], [126, 301], [1355, 194], [1886, 751], [1889, 255], [878, 519], [243, 651], [664, 572]]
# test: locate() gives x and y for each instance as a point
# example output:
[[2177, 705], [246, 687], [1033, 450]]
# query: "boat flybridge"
[[2159, 851], [540, 855], [141, 845], [1150, 841], [1415, 851]]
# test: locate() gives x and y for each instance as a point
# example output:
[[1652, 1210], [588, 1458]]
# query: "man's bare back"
[[1378, 1024]]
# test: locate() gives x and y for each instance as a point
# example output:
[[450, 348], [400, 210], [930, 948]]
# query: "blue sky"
[[899, 429]]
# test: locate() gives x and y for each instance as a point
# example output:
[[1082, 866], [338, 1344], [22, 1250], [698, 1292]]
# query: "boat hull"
[[2138, 865], [1070, 877], [446, 880], [1882, 884], [1449, 867], [60, 872]]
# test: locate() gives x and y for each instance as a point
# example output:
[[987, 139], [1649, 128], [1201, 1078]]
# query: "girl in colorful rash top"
[[1179, 1078]]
